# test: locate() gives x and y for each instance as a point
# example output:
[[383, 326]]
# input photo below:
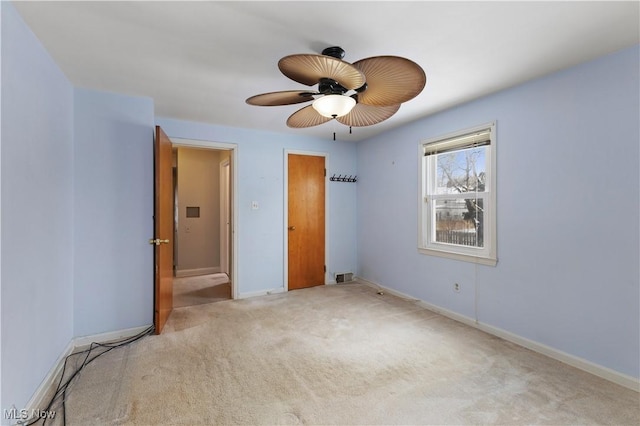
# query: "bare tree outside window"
[[460, 220]]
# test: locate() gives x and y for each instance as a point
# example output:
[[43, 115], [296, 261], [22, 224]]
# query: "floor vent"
[[344, 277]]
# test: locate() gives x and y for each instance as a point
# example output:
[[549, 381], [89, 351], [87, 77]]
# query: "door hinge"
[[325, 268], [325, 172]]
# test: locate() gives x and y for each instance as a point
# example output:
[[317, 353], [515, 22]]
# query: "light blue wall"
[[113, 209], [37, 211], [261, 178], [1, 405], [568, 215]]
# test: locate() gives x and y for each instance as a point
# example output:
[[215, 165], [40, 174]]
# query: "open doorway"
[[203, 243]]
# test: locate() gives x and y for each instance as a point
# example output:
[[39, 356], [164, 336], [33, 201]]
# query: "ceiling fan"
[[364, 93]]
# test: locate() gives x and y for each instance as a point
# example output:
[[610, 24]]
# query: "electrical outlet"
[[456, 287]]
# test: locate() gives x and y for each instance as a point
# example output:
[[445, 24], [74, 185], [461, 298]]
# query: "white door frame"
[[194, 143], [225, 219], [285, 285]]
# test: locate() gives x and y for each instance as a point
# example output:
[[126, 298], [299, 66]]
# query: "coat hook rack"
[[345, 178]]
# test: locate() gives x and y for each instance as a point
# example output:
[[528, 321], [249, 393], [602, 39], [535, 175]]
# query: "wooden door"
[[163, 220], [306, 216]]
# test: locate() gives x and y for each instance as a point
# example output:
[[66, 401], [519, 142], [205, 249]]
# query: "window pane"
[[460, 221], [461, 171]]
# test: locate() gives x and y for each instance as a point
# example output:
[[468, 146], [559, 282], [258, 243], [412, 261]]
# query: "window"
[[458, 196]]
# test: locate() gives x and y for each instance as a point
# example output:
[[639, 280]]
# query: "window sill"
[[489, 261]]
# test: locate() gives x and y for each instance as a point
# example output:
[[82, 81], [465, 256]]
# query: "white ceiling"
[[199, 61]]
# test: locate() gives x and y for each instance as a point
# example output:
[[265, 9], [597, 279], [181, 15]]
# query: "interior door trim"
[[285, 226], [235, 222], [225, 217]]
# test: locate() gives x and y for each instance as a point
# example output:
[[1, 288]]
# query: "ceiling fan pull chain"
[[334, 128], [349, 129]]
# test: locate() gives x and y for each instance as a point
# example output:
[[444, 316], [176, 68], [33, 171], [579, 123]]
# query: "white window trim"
[[488, 256]]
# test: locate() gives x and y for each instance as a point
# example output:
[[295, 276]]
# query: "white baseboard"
[[606, 373], [261, 293], [199, 271], [38, 400], [270, 291], [84, 341]]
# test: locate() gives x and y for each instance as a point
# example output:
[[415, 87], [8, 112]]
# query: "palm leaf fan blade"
[[309, 69], [367, 115], [390, 80], [306, 117], [286, 97]]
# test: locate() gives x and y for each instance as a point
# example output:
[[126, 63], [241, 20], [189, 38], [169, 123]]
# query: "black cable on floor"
[[60, 394]]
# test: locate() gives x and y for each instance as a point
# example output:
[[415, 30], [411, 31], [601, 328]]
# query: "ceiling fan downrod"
[[334, 52]]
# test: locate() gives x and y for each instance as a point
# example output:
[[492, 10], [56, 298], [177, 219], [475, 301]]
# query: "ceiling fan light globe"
[[333, 106]]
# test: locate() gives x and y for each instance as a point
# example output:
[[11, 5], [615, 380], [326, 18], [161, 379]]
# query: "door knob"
[[292, 228], [158, 241]]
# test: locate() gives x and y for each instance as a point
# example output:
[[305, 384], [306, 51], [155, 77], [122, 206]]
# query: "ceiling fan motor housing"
[[328, 86]]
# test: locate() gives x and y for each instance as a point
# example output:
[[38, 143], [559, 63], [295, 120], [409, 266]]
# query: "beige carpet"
[[335, 355], [189, 291]]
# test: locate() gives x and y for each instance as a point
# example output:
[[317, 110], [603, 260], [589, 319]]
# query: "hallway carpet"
[[338, 354], [189, 291]]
